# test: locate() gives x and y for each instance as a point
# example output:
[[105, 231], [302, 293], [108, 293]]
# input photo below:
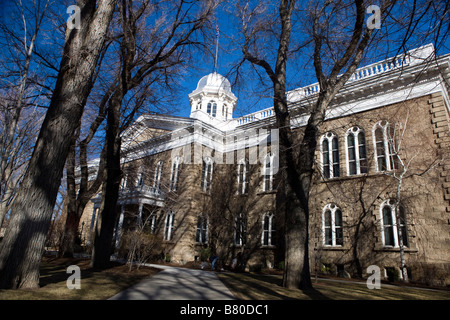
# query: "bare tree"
[[31, 214], [405, 156], [170, 39], [18, 130]]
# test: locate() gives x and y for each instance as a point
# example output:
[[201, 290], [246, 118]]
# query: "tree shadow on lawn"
[[270, 287], [54, 270]]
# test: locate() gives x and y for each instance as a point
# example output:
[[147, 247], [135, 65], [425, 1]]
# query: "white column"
[[119, 225], [139, 218]]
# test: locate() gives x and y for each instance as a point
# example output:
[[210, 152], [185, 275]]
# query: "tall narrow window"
[[240, 230], [384, 140], [332, 226], [391, 227], [356, 152], [175, 173], [225, 111], [330, 155], [207, 170], [214, 109], [201, 235], [123, 184], [157, 177], [211, 108], [153, 221], [268, 172], [168, 225], [268, 230], [140, 178], [242, 177], [208, 108]]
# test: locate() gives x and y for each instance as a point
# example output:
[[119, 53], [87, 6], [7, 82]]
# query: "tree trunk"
[[23, 245], [104, 229]]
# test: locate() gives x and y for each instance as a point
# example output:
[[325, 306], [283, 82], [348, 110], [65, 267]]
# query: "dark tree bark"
[[297, 162], [133, 73], [23, 245]]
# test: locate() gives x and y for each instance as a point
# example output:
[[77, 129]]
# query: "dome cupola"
[[213, 100]]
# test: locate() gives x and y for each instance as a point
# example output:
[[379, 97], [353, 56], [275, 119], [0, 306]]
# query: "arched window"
[[240, 230], [268, 170], [175, 173], [268, 230], [242, 177], [330, 155], [211, 108], [168, 225], [140, 178], [225, 111], [391, 228], [356, 151], [207, 170], [201, 235], [332, 226], [157, 177], [384, 142]]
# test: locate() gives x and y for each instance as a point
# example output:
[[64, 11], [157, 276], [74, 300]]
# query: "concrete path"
[[177, 284]]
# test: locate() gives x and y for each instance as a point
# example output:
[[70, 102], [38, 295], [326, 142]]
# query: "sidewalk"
[[174, 283]]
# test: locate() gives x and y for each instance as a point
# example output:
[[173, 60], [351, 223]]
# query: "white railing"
[[142, 190], [413, 57], [259, 115]]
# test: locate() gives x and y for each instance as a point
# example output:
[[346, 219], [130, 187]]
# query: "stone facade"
[[198, 182]]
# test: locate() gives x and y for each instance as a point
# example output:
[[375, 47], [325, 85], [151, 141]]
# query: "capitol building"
[[207, 183]]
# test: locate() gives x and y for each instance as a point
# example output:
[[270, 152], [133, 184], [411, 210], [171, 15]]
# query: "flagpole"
[[217, 48]]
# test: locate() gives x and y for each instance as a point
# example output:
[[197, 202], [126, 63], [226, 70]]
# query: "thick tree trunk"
[[23, 245], [104, 229]]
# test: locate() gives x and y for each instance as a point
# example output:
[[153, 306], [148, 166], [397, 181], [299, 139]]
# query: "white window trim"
[[201, 240], [242, 230], [174, 173], [157, 176], [387, 154], [390, 203], [269, 231], [140, 178], [355, 135], [208, 174], [168, 225], [333, 225], [329, 136], [269, 157], [242, 188]]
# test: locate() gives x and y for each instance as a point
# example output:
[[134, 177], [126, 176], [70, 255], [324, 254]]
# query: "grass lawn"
[[95, 285], [268, 287]]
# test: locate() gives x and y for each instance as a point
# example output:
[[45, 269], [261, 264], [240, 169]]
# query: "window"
[[268, 230], [153, 220], [242, 177], [202, 230], [175, 173], [384, 142], [356, 152], [390, 229], [157, 177], [123, 184], [330, 155], [211, 108], [332, 226], [268, 172], [207, 169], [140, 178], [240, 230], [225, 112], [168, 226]]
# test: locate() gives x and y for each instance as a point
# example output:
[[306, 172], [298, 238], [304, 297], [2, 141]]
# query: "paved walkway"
[[174, 283]]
